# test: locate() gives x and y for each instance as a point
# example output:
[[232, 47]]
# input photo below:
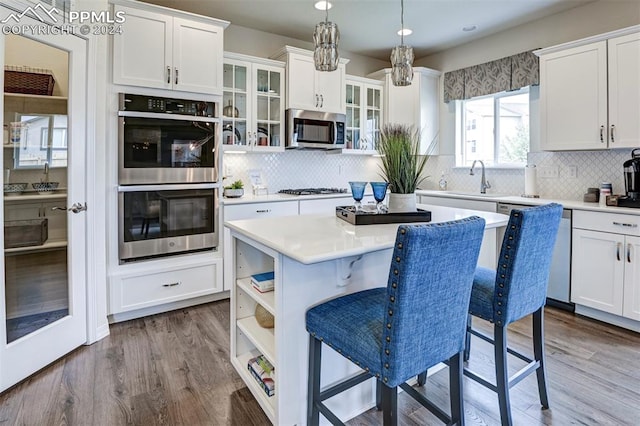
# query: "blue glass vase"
[[379, 193], [357, 192]]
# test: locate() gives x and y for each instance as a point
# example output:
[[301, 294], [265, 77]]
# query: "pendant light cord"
[[402, 22], [326, 12]]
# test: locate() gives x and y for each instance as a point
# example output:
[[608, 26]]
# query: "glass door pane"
[[36, 280]]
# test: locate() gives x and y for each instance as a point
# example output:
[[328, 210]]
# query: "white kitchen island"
[[314, 258]]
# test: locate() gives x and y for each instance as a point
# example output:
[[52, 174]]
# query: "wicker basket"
[[32, 81]]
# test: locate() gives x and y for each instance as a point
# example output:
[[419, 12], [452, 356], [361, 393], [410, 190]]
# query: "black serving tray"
[[348, 213]]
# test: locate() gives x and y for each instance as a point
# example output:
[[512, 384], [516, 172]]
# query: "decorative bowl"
[[45, 187], [14, 188], [233, 193]]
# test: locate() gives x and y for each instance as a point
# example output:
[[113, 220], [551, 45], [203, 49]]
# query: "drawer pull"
[[629, 253], [601, 134], [263, 211], [171, 284], [626, 225], [618, 246]]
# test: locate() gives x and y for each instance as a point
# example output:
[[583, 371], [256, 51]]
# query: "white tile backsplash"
[[593, 168], [300, 169]]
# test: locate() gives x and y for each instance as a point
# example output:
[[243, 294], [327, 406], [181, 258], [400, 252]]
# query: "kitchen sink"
[[475, 194]]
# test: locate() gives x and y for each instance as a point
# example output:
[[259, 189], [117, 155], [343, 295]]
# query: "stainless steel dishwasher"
[[559, 290]]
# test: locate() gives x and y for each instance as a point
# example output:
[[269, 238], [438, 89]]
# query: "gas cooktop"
[[313, 191]]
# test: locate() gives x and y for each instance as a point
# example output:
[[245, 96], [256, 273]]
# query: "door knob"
[[77, 207]]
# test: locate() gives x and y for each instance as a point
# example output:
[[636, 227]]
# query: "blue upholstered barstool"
[[517, 288], [417, 321]]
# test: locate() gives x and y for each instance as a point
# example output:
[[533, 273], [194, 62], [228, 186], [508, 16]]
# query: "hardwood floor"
[[174, 369]]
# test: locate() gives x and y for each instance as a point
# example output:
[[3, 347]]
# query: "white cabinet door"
[[597, 270], [624, 91], [573, 98], [631, 307], [325, 206], [197, 56], [142, 54], [301, 74], [331, 89]]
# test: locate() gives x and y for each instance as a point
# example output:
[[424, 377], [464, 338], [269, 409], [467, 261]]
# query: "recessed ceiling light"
[[469, 28], [323, 5], [405, 32]]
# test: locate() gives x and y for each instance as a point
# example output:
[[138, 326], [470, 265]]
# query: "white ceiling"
[[368, 27]]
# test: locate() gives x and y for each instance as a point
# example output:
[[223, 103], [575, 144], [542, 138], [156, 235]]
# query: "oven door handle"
[[167, 187], [165, 116]]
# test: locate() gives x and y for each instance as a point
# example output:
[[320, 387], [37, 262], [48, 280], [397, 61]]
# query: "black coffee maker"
[[631, 181]]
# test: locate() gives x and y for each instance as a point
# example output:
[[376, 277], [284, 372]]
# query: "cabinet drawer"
[[258, 210], [607, 222], [136, 292]]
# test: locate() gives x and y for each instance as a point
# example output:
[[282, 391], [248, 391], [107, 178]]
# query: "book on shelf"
[[263, 282], [263, 372]]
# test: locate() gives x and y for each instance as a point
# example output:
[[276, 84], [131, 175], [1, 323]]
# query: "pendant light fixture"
[[402, 58], [325, 41]]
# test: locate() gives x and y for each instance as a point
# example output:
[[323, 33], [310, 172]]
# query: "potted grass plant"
[[402, 165], [235, 190]]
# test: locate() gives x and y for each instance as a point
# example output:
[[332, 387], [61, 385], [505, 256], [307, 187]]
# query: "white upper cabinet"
[[364, 115], [590, 94], [253, 107], [310, 89], [161, 51], [624, 91], [415, 105]]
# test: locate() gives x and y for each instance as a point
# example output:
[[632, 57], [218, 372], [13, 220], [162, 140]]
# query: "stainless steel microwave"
[[314, 129], [164, 140]]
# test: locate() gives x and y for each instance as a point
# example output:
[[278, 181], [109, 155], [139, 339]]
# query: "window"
[[43, 139], [494, 129]]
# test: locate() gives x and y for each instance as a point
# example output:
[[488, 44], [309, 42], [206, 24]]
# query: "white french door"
[[43, 312]]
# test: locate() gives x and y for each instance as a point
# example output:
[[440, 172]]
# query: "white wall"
[[591, 19], [261, 44]]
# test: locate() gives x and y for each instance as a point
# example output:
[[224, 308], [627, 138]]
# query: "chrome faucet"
[[484, 183], [46, 173]]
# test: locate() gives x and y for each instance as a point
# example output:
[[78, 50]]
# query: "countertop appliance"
[[313, 191], [314, 130], [559, 290], [163, 140], [631, 181]]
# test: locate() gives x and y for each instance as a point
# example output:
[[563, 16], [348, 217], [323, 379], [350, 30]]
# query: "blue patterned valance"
[[510, 73]]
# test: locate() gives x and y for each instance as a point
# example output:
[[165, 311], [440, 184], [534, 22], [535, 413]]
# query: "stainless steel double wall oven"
[[168, 176]]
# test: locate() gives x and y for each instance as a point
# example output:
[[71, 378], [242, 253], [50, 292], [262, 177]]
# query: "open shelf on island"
[[267, 300], [268, 403], [262, 338]]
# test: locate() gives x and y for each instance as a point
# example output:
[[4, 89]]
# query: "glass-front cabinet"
[[364, 115], [253, 108]]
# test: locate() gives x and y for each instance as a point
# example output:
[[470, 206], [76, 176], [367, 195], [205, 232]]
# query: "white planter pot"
[[233, 193], [401, 203]]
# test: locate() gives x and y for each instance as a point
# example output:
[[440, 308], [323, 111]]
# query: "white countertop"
[[314, 238], [513, 199]]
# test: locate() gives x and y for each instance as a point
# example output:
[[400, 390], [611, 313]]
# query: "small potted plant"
[[402, 165], [235, 190]]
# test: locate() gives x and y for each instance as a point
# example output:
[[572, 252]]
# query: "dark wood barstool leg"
[[455, 389], [389, 406], [313, 393], [378, 395], [502, 373], [538, 351], [467, 340]]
